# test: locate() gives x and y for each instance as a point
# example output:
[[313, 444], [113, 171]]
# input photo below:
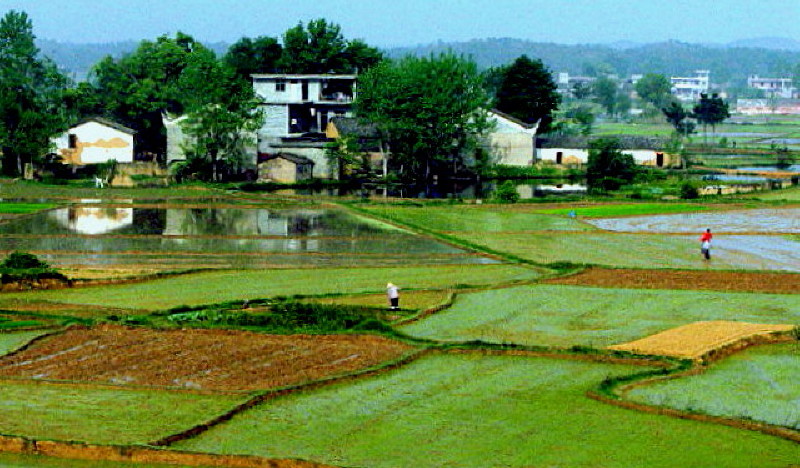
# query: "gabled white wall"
[[96, 143]]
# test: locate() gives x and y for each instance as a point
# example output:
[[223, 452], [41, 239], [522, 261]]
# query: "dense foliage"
[[608, 167], [431, 112], [527, 91], [31, 96]]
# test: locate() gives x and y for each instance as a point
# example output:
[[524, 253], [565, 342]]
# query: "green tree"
[[260, 55], [173, 75], [583, 116], [430, 111], [608, 167], [679, 118], [605, 92], [31, 95], [527, 91], [319, 47], [711, 110], [655, 89], [222, 117]]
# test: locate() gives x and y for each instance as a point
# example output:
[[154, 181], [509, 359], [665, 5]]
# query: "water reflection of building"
[[244, 222], [94, 220]]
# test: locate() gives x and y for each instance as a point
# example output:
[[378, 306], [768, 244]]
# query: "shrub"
[[507, 192], [22, 266], [23, 260], [689, 191]]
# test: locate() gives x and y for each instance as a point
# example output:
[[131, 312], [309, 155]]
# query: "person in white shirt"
[[393, 294]]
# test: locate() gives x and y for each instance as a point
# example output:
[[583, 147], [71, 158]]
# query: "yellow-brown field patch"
[[697, 339]]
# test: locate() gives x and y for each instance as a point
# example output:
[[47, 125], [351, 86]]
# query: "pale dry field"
[[699, 338]]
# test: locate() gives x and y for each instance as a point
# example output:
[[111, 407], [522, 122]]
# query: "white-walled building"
[[772, 87], [96, 140], [690, 88], [575, 151], [512, 142], [297, 110]]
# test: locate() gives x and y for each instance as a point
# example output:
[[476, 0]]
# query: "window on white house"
[[73, 141], [280, 86]]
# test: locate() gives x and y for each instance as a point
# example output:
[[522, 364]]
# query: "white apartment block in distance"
[[690, 88], [773, 87]]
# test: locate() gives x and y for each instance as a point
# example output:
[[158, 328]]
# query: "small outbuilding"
[[285, 168], [96, 140]]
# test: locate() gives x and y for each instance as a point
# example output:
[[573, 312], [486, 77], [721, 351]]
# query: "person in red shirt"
[[705, 244]]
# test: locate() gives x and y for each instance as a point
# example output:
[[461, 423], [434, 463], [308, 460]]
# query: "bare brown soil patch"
[[774, 283], [696, 340], [218, 360]]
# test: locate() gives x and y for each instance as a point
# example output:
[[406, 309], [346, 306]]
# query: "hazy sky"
[[408, 22]]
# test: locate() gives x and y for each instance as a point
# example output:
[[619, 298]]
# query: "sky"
[[390, 23]]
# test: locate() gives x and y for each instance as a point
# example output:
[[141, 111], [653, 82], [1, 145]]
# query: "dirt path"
[[773, 283]]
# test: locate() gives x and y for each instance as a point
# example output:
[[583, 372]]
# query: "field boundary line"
[[142, 454], [617, 394], [279, 392]]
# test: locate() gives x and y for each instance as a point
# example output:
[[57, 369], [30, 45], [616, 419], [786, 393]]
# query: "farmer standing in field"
[[393, 295], [705, 244]]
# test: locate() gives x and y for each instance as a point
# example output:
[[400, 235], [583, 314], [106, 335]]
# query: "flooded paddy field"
[[221, 237], [749, 221], [748, 239]]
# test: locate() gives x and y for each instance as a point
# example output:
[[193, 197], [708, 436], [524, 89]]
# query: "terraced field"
[[474, 411], [508, 375], [728, 388]]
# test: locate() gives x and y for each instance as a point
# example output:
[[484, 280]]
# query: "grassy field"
[[761, 383], [11, 341], [563, 316], [478, 218], [410, 300], [102, 415], [24, 208], [789, 194], [220, 286], [630, 209], [475, 411], [631, 250]]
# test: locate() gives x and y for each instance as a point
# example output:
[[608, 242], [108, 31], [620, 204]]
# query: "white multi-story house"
[[772, 87], [297, 110], [690, 88]]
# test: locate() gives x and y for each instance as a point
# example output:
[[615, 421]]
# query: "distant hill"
[[77, 59], [730, 64]]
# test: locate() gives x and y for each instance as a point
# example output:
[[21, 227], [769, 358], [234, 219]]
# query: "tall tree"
[[655, 89], [319, 47], [608, 167], [222, 118], [31, 95], [259, 55], [167, 75], [430, 110], [679, 118], [527, 91], [605, 92], [711, 110]]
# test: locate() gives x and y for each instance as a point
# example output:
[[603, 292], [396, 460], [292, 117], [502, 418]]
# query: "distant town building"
[[690, 88], [768, 106], [566, 83], [773, 87]]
